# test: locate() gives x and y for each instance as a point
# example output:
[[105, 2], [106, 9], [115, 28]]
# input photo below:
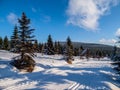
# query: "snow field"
[[53, 73]]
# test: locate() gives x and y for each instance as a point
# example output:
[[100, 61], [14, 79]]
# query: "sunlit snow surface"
[[53, 73]]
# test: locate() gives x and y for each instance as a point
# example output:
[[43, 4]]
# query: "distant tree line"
[[50, 47]]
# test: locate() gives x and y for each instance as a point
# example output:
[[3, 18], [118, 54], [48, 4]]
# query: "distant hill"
[[90, 45]]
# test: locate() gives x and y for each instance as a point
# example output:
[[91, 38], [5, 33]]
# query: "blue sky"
[[93, 21]]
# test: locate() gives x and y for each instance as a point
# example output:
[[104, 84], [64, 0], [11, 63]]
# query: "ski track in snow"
[[53, 73], [74, 86]]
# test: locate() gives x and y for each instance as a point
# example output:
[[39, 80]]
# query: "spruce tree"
[[81, 49], [1, 43], [41, 48], [50, 46], [36, 46], [69, 49], [60, 48], [25, 36], [25, 46], [45, 48], [98, 54], [76, 51], [14, 37], [56, 48], [6, 43]]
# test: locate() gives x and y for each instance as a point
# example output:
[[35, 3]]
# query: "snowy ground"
[[53, 73]]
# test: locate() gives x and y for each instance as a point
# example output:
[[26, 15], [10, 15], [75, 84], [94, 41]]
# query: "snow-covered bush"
[[27, 63]]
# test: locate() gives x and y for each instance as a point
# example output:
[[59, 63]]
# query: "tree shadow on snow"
[[6, 69], [92, 78]]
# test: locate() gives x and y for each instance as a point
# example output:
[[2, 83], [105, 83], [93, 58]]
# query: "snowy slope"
[[53, 73]]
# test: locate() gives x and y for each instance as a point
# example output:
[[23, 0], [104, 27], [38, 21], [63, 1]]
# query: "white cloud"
[[12, 18], [86, 13], [108, 41], [118, 32], [34, 10]]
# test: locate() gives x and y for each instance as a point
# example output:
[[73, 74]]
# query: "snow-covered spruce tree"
[[14, 39], [69, 51], [60, 48], [41, 48], [44, 49], [76, 51], [6, 43], [50, 46], [56, 48], [25, 45], [99, 54], [36, 46]]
